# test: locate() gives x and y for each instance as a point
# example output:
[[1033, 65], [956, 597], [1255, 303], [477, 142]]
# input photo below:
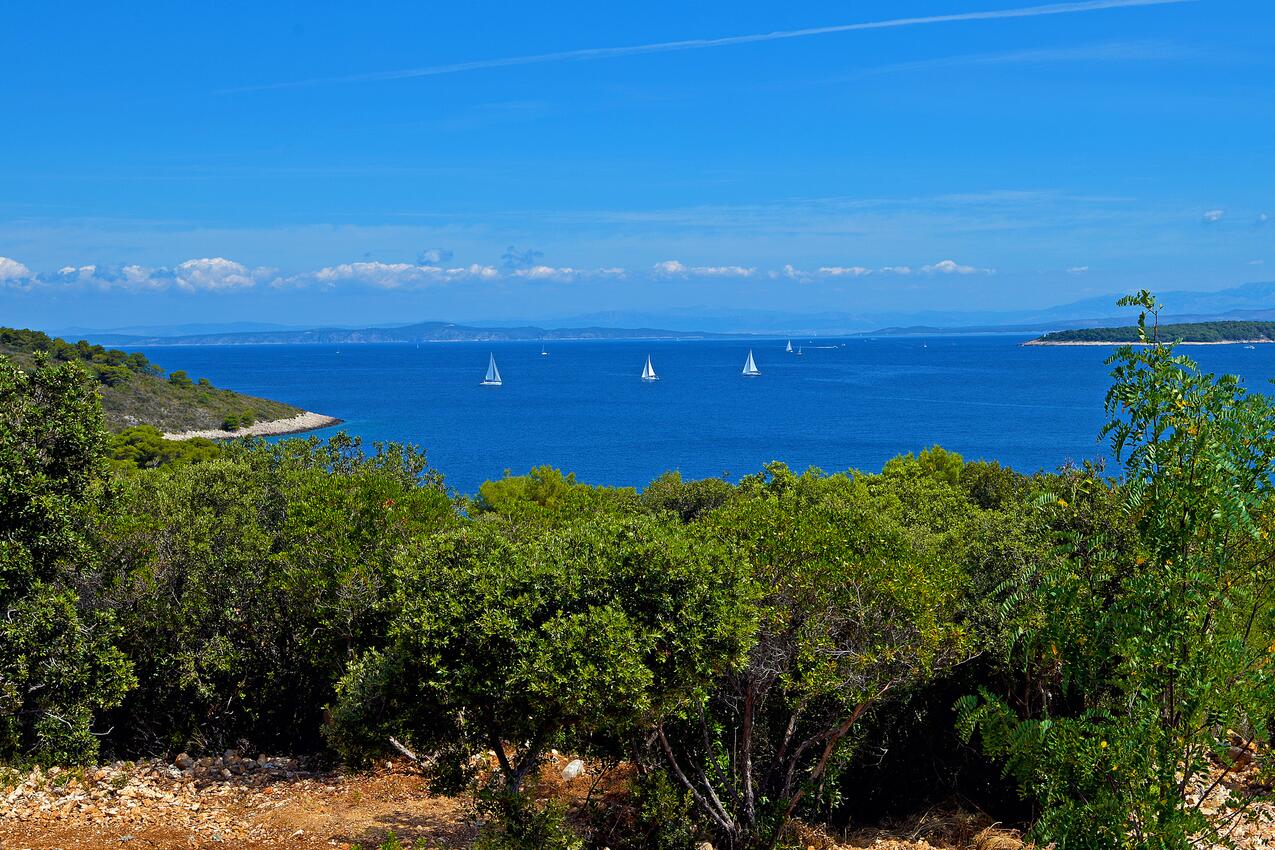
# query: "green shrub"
[[545, 496], [663, 814], [235, 421], [179, 378], [855, 606], [602, 626], [144, 447], [58, 667], [513, 821], [112, 376], [244, 585], [687, 499], [1138, 638]]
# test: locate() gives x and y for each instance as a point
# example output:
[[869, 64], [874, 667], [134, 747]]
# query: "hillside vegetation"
[[1185, 332], [137, 392], [1085, 654]]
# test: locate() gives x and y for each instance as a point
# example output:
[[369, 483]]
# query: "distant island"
[[1192, 333], [136, 392], [420, 332]]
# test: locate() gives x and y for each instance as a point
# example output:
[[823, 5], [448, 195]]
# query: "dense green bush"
[[245, 583], [144, 447], [687, 499], [512, 645], [854, 605], [1139, 639], [235, 421], [59, 665]]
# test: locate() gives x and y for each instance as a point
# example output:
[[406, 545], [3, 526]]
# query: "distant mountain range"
[[1249, 302], [421, 332]]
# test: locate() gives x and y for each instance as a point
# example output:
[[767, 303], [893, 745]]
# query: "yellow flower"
[[1103, 745]]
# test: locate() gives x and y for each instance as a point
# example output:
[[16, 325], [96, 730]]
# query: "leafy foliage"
[[58, 664], [601, 626], [853, 606], [1140, 635], [144, 447], [245, 583]]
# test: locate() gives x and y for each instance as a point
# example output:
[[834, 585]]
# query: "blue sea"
[[846, 403]]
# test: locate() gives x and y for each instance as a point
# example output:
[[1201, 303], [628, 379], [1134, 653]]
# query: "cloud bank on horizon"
[[218, 274]]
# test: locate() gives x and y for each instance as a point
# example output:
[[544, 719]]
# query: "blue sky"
[[377, 162]]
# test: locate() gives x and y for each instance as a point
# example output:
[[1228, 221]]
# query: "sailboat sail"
[[789, 348], [648, 372], [543, 352], [493, 374], [750, 367]]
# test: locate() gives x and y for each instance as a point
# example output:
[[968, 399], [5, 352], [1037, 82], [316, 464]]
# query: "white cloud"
[[952, 267], [214, 274], [133, 277], [389, 275], [844, 271], [12, 272], [220, 275], [206, 274], [1078, 270], [676, 268], [1214, 215], [1262, 218], [547, 273], [1257, 262]]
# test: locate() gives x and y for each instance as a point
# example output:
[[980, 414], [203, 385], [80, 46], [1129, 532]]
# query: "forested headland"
[[1075, 651], [1187, 332], [137, 393]]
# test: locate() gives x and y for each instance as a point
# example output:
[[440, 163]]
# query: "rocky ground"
[[266, 803]]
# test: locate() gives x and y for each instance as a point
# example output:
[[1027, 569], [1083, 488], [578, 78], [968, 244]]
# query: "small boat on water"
[[543, 352], [800, 353], [648, 372], [789, 348], [1250, 346], [492, 378], [750, 366]]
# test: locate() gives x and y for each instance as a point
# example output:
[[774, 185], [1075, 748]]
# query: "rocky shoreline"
[[304, 421]]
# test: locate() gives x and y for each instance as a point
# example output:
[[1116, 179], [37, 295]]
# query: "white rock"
[[574, 768]]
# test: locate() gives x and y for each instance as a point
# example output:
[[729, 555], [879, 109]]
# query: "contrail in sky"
[[701, 43]]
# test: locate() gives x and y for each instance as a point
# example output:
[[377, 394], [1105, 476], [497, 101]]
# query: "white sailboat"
[[493, 374], [750, 366], [799, 352], [789, 348], [648, 372], [543, 352]]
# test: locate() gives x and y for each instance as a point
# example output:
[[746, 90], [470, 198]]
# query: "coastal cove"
[[584, 408]]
